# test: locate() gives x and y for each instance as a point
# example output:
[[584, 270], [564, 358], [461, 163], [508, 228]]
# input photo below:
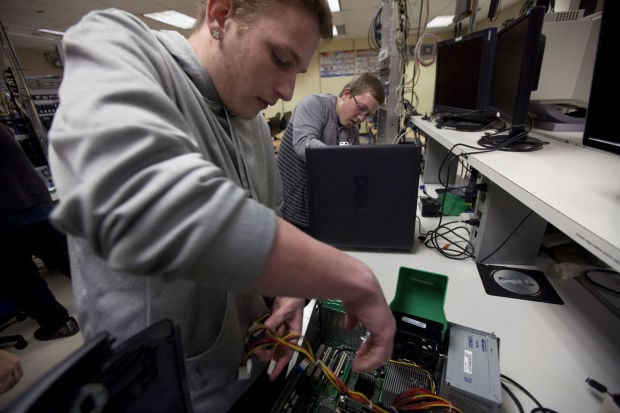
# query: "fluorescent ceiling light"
[[48, 31], [173, 18], [334, 5], [338, 29], [441, 21]]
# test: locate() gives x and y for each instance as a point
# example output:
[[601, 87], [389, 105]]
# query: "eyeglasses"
[[360, 110]]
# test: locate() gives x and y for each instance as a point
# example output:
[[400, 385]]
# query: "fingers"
[[350, 322], [372, 354], [264, 355], [286, 318], [282, 360], [288, 313], [278, 360], [380, 324]]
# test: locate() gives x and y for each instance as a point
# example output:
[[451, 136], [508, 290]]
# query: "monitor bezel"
[[487, 37], [600, 131], [517, 113]]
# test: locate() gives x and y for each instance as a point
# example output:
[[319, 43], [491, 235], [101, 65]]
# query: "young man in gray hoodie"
[[169, 190]]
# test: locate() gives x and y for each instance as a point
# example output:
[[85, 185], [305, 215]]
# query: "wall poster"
[[367, 61], [339, 63]]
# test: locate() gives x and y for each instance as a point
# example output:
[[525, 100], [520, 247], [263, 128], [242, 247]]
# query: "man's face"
[[263, 62], [353, 110]]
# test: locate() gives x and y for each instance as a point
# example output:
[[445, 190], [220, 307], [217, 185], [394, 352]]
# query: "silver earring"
[[216, 34]]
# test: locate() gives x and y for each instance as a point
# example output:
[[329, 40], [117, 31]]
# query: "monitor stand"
[[516, 140], [558, 118]]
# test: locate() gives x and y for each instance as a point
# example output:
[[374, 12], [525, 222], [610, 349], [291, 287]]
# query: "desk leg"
[[500, 214], [435, 155]]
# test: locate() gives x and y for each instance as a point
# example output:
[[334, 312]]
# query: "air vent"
[[562, 16]]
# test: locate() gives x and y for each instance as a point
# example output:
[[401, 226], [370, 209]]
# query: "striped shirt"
[[313, 123]]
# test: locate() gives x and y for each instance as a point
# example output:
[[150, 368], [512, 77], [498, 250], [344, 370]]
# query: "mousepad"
[[519, 283]]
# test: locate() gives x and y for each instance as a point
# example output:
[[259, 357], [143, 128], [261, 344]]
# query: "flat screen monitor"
[[518, 56], [363, 196], [561, 100], [101, 376], [463, 74], [601, 131]]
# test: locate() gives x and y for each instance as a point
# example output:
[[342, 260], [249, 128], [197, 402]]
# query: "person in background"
[[10, 371], [169, 191], [25, 230], [320, 120]]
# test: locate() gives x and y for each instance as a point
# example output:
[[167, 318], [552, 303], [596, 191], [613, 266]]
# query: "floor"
[[40, 356]]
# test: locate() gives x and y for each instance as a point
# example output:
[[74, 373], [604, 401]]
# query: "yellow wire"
[[331, 376], [411, 363]]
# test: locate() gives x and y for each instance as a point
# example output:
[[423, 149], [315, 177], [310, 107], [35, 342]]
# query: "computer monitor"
[[464, 70], [363, 196], [600, 130], [561, 101], [144, 373], [518, 55]]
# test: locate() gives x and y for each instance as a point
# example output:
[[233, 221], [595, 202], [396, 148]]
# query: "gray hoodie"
[[168, 200]]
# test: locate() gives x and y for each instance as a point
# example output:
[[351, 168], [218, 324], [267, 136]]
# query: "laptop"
[[363, 196]]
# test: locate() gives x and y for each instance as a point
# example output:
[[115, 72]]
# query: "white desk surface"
[[577, 189], [549, 349]]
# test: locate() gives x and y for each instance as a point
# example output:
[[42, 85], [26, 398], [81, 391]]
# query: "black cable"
[[499, 7], [520, 142], [514, 144], [464, 154], [513, 397], [507, 238], [528, 4], [436, 234], [449, 247], [599, 285], [413, 94], [539, 407], [502, 141], [373, 41], [432, 238]]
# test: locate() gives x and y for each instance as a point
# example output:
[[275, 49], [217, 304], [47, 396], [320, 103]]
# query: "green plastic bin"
[[419, 298]]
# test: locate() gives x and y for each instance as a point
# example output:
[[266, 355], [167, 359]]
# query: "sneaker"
[[70, 328]]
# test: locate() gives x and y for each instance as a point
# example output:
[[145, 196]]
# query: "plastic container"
[[419, 301]]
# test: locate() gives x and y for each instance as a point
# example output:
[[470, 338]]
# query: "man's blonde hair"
[[244, 12], [366, 82]]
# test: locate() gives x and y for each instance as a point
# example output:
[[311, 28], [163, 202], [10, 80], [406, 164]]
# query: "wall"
[[425, 87], [311, 82], [35, 63]]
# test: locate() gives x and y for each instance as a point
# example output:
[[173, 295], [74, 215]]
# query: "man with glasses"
[[320, 120]]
